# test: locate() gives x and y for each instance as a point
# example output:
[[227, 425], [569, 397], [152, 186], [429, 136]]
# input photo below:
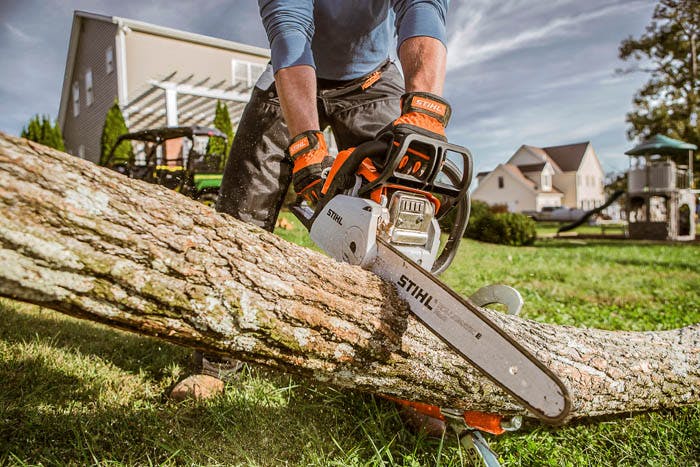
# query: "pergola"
[[180, 101]]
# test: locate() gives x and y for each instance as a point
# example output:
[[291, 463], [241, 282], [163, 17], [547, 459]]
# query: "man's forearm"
[[296, 87], [423, 61]]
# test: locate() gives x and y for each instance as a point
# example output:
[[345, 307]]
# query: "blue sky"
[[519, 71]]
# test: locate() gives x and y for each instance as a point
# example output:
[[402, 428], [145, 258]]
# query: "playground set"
[[661, 198], [661, 195]]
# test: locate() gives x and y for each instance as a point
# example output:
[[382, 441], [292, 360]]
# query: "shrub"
[[114, 127], [498, 208], [493, 224], [222, 122], [479, 209], [505, 228], [41, 131]]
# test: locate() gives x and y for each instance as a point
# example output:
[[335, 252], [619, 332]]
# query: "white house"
[[535, 178]]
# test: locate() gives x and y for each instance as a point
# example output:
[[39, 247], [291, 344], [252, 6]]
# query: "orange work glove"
[[309, 153], [423, 113]]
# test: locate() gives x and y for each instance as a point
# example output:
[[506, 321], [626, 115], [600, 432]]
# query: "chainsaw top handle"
[[432, 177], [386, 156]]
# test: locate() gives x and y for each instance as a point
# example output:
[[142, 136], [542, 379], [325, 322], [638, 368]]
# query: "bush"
[[222, 122], [505, 228], [479, 209], [493, 224], [40, 130], [114, 127]]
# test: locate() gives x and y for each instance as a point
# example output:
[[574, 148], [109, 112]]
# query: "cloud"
[[20, 35], [465, 48], [539, 72]]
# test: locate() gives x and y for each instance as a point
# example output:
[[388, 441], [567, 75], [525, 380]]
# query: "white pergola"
[[169, 101]]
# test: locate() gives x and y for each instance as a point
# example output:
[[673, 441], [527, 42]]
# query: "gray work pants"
[[258, 173]]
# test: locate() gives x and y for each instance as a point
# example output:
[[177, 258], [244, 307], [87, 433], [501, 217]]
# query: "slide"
[[588, 214]]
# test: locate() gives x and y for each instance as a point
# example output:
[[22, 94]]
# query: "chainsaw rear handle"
[[343, 180]]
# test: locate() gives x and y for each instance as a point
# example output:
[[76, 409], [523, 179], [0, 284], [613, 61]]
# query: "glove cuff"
[[305, 144], [428, 104]]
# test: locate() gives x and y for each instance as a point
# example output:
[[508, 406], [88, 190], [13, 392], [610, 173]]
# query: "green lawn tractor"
[[196, 172]]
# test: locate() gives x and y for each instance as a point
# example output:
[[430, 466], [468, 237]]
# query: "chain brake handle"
[[428, 179], [344, 177]]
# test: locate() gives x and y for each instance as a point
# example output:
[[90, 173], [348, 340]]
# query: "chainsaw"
[[382, 213]]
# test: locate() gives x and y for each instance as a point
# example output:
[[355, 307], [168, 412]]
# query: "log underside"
[[91, 243]]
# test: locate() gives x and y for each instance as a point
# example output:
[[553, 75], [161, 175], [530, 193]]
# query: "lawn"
[[74, 392]]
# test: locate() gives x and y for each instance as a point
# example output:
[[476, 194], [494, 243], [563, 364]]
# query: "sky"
[[537, 72]]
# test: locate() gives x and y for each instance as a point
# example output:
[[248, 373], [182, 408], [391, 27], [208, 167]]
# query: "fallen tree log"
[[88, 242]]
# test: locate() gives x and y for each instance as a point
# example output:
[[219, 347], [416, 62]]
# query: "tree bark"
[[91, 243]]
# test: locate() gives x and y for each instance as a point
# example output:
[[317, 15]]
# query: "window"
[[109, 60], [500, 182], [76, 99], [546, 182], [88, 88], [245, 72]]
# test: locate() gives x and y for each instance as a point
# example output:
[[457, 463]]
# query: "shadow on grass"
[[130, 352], [272, 425], [222, 432], [565, 243], [680, 265], [62, 408], [34, 380]]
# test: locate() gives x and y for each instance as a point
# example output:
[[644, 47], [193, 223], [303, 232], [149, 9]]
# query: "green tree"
[[222, 122], [39, 129], [114, 127], [668, 50], [58, 137], [33, 129]]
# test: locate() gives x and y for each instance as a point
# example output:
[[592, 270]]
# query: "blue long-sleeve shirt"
[[345, 39]]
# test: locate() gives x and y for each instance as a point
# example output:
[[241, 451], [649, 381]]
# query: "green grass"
[[550, 228], [74, 392]]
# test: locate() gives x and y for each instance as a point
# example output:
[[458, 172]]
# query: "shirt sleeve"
[[290, 27], [420, 18]]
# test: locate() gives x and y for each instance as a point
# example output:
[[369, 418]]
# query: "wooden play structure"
[[661, 199]]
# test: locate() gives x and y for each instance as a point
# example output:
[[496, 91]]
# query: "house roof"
[[554, 191], [569, 156], [532, 167], [515, 171], [541, 154], [175, 33]]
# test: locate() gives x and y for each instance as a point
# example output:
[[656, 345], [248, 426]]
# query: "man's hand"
[[309, 153], [423, 113]]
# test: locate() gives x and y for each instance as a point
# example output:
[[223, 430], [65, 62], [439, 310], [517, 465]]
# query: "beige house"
[[160, 77], [534, 178]]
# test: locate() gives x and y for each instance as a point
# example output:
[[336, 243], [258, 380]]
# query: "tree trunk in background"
[[91, 243]]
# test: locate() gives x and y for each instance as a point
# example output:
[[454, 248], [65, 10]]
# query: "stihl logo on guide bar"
[[418, 293]]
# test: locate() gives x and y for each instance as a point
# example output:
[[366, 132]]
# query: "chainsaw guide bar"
[[462, 326]]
